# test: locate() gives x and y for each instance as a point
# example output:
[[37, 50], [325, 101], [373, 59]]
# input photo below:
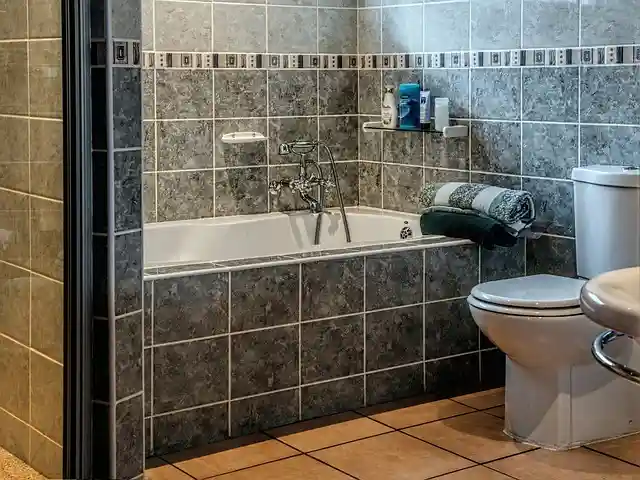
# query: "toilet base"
[[560, 409]]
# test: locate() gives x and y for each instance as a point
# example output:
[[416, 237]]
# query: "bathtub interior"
[[272, 235]]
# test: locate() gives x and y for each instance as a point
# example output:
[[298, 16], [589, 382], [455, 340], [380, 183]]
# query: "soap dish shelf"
[[451, 131]]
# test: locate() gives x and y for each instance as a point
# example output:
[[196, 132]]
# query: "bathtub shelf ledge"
[[452, 131]]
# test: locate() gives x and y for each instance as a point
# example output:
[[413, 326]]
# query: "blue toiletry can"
[[409, 105]]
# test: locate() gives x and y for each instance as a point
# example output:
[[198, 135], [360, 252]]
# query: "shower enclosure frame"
[[77, 421]]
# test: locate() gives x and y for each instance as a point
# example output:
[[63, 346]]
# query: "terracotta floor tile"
[[496, 411], [421, 413], [157, 469], [392, 456], [328, 431], [296, 468], [230, 455], [627, 448], [477, 436], [483, 400], [475, 473], [580, 464]]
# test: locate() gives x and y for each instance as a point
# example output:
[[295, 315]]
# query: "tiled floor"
[[12, 468], [457, 439]]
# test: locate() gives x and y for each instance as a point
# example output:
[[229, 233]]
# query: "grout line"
[[300, 341], [229, 358], [591, 449], [130, 397], [31, 350], [31, 427], [364, 331]]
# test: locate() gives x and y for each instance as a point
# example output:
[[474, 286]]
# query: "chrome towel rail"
[[597, 349]]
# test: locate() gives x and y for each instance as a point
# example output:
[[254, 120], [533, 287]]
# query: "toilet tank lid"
[[536, 291], [609, 175]]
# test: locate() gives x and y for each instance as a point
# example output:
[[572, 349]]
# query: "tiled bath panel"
[[305, 339]]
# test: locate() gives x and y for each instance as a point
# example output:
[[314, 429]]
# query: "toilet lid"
[[536, 291]]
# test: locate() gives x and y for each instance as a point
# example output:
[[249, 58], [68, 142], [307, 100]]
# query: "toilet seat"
[[536, 295]]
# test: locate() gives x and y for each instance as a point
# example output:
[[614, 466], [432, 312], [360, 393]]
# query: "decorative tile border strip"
[[127, 52]]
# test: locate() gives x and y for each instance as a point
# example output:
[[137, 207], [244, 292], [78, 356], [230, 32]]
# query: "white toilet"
[[557, 395]]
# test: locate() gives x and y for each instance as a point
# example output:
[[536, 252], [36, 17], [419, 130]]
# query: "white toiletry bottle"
[[389, 108], [441, 112]]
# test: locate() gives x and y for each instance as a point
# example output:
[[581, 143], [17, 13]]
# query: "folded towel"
[[511, 207], [467, 224]]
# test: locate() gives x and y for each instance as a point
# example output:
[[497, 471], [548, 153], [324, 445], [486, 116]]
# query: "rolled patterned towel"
[[511, 207]]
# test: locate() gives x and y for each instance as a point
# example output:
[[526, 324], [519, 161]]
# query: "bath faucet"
[[304, 184]]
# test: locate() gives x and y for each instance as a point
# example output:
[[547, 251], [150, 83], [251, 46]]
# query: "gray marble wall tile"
[[148, 94], [495, 24], [293, 93], [147, 24], [264, 297], [148, 312], [185, 195], [292, 30], [193, 428], [149, 197], [340, 134], [127, 107], [402, 147], [609, 145], [401, 186], [550, 24], [502, 262], [127, 193], [333, 287], [338, 3], [447, 27], [449, 377], [283, 130], [369, 25], [148, 442], [390, 385], [263, 361], [450, 271], [554, 201], [190, 374], [185, 145], [149, 146], [332, 397], [256, 414], [184, 93], [549, 150], [446, 152], [190, 307], [337, 30], [550, 94], [495, 93], [347, 179], [370, 185], [239, 28], [396, 77], [128, 273], [394, 337], [240, 154], [450, 83], [610, 95], [126, 19], [492, 369], [495, 147], [128, 359], [241, 191], [394, 280], [285, 200], [129, 441], [402, 30], [449, 329], [338, 91], [435, 175], [551, 255], [370, 91], [503, 181], [610, 22], [332, 348], [370, 143], [182, 27], [147, 358], [240, 93]]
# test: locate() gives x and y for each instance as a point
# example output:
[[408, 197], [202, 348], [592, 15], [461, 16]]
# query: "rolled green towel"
[[480, 229], [511, 207]]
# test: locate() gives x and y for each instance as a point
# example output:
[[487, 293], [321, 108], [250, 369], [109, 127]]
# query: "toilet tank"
[[607, 216]]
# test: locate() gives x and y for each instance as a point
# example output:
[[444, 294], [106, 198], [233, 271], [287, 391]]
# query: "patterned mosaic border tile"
[[125, 53], [612, 55]]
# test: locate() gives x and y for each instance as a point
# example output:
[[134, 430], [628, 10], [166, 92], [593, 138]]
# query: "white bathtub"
[[246, 236]]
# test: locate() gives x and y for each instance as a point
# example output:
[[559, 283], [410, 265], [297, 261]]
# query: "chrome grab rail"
[[597, 349]]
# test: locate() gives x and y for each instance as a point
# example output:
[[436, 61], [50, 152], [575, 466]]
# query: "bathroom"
[[228, 332]]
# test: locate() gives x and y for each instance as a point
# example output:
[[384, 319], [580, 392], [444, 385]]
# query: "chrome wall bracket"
[[597, 349]]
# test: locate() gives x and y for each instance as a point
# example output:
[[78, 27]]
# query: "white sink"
[[612, 300]]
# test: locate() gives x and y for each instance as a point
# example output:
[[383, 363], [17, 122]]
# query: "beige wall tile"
[[47, 317], [47, 238], [14, 302], [14, 378], [46, 397]]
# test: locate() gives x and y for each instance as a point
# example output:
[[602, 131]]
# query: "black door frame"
[[77, 437]]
